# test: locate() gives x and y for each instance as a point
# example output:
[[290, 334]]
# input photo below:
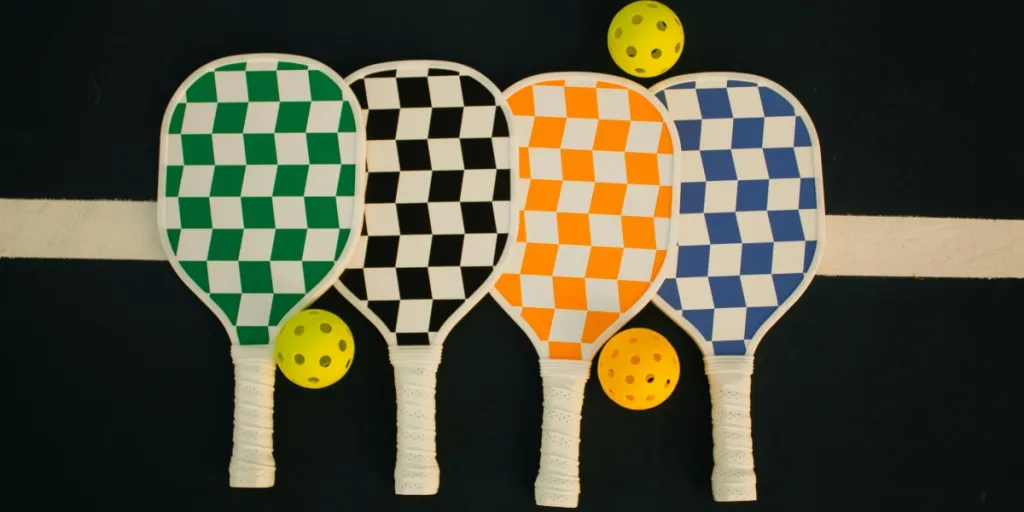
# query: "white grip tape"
[[416, 470], [252, 456], [558, 481], [733, 477]]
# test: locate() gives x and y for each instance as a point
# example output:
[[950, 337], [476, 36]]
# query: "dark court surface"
[[870, 394]]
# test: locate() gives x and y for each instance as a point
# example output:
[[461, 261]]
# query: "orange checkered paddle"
[[600, 178]]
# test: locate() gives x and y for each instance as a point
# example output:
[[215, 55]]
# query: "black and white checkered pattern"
[[437, 196]]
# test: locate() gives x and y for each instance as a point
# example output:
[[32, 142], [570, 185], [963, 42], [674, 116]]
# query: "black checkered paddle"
[[438, 203]]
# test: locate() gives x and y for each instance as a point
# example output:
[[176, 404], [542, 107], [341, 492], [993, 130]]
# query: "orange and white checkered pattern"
[[596, 167]]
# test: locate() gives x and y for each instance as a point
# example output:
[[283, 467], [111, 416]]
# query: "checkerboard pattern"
[[596, 165], [259, 181], [437, 196], [748, 217]]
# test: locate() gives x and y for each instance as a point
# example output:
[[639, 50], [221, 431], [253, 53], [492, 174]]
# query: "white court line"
[[854, 245]]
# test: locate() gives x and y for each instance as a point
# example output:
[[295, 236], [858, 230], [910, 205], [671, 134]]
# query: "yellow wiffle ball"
[[645, 38], [638, 369], [314, 349]]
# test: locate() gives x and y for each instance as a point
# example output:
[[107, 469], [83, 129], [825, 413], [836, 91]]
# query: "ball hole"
[[618, 32], [314, 313], [280, 357], [655, 53], [325, 361], [650, 398], [667, 382], [629, 397], [679, 22], [342, 345], [347, 363], [652, 6], [299, 359], [629, 379], [640, 70], [657, 356], [314, 380], [631, 51], [649, 378], [615, 353], [679, 46], [610, 392], [635, 359], [299, 330], [632, 340], [638, 19], [662, 25], [325, 328], [611, 373]]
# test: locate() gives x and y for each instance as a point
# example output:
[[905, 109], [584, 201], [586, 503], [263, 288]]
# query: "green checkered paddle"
[[261, 177]]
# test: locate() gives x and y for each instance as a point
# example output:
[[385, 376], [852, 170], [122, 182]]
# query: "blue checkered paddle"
[[751, 226]]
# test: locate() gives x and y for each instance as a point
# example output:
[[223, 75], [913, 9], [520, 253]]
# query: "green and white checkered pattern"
[[259, 190]]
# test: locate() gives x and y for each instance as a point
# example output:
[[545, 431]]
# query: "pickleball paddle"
[[438, 202], [751, 228], [598, 170], [261, 179]]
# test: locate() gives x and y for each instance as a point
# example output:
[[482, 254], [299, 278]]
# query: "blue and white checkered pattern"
[[748, 219]]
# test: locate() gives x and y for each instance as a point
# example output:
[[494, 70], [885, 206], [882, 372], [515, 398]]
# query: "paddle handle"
[[733, 477], [558, 481], [252, 455], [416, 470]]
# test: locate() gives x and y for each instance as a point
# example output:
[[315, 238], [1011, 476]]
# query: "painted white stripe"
[[94, 230], [923, 247], [855, 245]]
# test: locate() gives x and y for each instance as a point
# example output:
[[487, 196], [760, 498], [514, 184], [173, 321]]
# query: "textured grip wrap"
[[733, 477], [416, 470], [558, 481], [252, 456]]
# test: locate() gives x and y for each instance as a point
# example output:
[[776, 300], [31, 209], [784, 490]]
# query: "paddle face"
[[438, 197], [260, 185], [751, 217], [599, 175]]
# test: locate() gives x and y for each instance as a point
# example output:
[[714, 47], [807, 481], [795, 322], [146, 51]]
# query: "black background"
[[870, 394]]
